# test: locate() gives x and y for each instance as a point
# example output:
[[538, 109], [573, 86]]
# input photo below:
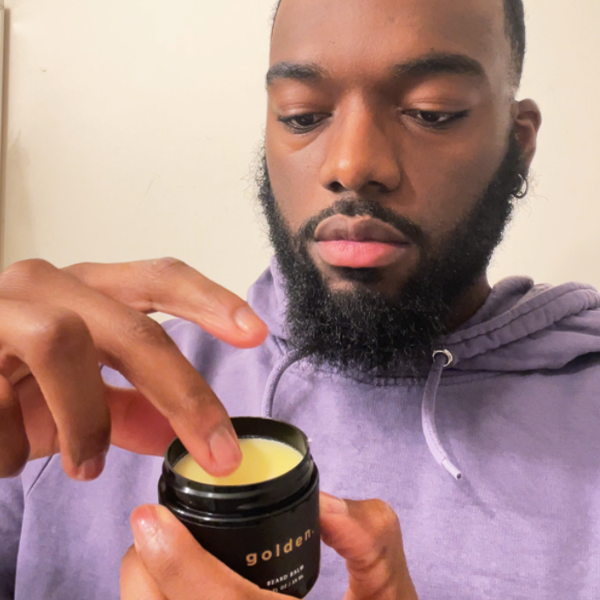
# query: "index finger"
[[169, 285]]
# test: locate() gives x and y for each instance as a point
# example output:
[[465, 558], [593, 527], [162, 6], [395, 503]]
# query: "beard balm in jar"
[[262, 521]]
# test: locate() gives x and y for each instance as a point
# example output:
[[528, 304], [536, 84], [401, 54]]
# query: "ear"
[[527, 120]]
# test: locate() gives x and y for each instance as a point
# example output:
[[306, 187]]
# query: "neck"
[[470, 302]]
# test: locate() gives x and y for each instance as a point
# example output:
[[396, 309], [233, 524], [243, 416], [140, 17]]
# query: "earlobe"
[[527, 123]]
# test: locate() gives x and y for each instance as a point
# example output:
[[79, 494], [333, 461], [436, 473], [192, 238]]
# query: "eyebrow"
[[295, 71], [425, 66], [440, 63]]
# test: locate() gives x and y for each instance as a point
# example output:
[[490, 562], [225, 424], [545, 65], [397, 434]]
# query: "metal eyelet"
[[447, 354]]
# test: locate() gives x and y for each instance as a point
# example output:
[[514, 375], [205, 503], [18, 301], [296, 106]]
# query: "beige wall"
[[132, 124]]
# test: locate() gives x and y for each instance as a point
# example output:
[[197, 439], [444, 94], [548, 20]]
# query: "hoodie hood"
[[521, 326]]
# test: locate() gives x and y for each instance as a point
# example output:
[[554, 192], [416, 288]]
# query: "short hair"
[[514, 13]]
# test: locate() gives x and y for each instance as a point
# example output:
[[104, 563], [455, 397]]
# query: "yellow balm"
[[262, 459]]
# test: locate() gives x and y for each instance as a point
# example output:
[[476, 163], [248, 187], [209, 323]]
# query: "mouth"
[[359, 242]]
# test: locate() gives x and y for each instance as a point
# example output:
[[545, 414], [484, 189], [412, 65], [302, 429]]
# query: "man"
[[395, 149]]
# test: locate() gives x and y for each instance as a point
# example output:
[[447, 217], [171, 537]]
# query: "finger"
[[14, 447], [136, 423], [178, 393], [12, 367], [40, 427], [181, 568], [135, 582], [140, 349], [170, 286], [57, 346], [367, 535]]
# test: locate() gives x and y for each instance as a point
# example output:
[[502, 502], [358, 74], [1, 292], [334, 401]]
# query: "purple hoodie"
[[517, 412]]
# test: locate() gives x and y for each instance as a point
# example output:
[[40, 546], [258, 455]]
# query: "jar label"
[[280, 553]]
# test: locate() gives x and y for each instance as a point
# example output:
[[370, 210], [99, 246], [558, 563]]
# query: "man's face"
[[393, 149], [404, 103]]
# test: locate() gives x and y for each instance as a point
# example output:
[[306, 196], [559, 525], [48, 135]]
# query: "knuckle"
[[25, 272], [382, 518], [147, 332], [78, 270], [163, 266], [190, 399], [59, 330], [381, 527], [166, 563]]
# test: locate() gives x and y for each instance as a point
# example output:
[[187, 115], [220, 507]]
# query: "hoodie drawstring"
[[282, 365], [442, 359]]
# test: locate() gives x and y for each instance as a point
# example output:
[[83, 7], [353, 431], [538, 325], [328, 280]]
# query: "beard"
[[365, 330]]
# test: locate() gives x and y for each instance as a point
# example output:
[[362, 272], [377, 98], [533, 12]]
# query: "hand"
[[367, 534], [56, 326], [166, 562]]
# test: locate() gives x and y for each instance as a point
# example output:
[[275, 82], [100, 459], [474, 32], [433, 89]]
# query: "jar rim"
[[245, 427]]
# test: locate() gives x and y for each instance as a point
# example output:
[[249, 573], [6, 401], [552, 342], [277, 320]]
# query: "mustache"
[[360, 207]]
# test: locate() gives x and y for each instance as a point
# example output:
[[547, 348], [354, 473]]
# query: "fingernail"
[[246, 319], [144, 524], [331, 504], [90, 469], [225, 450]]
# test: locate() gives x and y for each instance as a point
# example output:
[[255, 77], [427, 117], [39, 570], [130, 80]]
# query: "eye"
[[303, 123], [435, 119]]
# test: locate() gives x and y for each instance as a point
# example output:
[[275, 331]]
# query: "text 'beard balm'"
[[262, 521]]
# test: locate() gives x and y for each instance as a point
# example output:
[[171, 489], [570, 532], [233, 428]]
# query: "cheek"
[[441, 187], [294, 177]]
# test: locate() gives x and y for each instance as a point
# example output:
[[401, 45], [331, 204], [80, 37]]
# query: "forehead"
[[366, 37]]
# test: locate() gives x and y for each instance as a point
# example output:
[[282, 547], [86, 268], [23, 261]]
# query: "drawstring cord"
[[442, 359], [282, 365]]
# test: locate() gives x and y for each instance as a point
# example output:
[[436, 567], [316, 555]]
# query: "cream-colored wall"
[[132, 124], [556, 235]]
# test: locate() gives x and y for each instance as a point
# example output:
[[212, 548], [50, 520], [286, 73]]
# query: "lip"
[[359, 242], [358, 229], [359, 255]]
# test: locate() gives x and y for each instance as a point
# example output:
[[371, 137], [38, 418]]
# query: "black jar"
[[267, 532]]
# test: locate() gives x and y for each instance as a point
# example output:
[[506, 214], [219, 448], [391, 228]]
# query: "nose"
[[360, 155]]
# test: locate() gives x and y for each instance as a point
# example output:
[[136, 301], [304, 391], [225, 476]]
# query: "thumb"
[[367, 535], [179, 567]]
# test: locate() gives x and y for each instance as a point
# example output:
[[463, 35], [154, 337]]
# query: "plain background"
[[130, 127]]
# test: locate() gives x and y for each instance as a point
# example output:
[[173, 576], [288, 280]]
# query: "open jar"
[[267, 531]]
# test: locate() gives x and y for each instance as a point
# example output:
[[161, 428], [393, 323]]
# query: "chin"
[[374, 280]]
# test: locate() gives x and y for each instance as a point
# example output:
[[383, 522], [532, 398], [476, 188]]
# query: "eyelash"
[[295, 128], [449, 117], [416, 115]]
